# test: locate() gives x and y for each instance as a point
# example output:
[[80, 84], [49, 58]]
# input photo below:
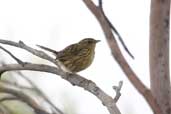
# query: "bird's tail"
[[48, 49]]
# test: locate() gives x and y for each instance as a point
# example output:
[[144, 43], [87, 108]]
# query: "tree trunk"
[[159, 53]]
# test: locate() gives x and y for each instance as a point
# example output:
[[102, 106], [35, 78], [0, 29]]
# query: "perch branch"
[[74, 79], [145, 92]]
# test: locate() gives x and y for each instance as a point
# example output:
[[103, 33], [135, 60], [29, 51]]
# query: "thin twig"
[[114, 29], [100, 4], [15, 58], [117, 90]]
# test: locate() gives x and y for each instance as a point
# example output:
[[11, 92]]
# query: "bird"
[[76, 57]]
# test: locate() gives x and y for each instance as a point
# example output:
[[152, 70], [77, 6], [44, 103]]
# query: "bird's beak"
[[97, 41]]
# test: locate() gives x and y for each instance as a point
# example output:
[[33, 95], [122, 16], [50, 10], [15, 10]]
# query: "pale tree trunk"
[[159, 53]]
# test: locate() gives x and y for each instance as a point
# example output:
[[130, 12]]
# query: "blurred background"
[[58, 23]]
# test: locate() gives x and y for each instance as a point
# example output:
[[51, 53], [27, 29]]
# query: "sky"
[[58, 23]]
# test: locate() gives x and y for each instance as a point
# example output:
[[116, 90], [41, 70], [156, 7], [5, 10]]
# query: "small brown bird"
[[76, 57]]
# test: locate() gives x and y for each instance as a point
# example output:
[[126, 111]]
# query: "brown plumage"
[[76, 57]]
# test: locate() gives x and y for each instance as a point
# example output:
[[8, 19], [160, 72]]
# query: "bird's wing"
[[67, 52], [72, 51]]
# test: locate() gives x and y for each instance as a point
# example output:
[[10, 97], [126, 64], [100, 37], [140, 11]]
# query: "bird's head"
[[89, 42]]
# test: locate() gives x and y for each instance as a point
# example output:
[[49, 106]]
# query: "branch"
[[120, 59], [15, 58], [55, 109], [114, 29], [38, 53], [6, 98], [7, 83], [117, 90], [21, 87], [74, 79], [23, 97]]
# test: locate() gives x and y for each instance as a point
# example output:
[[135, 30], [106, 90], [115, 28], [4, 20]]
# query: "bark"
[[159, 53]]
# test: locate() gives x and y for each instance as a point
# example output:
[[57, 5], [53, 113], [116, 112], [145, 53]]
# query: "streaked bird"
[[76, 57]]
